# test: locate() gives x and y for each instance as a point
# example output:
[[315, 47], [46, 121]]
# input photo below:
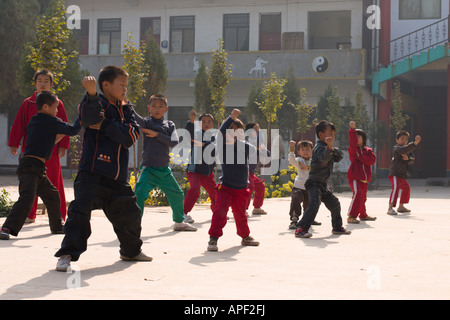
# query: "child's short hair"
[[43, 72], [45, 97], [402, 133], [206, 115], [238, 124], [361, 133], [323, 125], [109, 74], [305, 144], [157, 97], [250, 125]]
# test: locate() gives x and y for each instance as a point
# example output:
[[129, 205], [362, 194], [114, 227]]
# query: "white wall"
[[209, 18], [402, 27]]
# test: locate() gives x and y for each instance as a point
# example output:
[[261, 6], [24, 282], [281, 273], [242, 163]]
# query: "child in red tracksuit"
[[234, 155], [359, 174], [200, 171], [398, 171]]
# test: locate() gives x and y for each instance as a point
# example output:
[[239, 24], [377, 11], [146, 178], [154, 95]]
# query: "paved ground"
[[402, 257]]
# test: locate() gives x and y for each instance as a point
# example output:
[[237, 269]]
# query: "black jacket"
[[105, 151], [322, 162], [207, 166], [42, 131]]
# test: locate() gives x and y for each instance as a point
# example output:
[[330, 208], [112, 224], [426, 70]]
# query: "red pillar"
[[448, 121], [384, 107]]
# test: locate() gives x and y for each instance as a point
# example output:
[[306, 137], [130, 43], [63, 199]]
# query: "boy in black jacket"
[[234, 154], [101, 182], [323, 158], [43, 132]]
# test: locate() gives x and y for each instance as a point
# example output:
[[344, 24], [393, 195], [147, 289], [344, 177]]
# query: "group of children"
[[111, 126], [315, 165]]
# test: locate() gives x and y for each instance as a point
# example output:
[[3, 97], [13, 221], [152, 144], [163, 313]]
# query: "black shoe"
[[4, 234], [316, 223]]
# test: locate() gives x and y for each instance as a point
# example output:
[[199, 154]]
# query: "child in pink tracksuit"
[[359, 174], [398, 171]]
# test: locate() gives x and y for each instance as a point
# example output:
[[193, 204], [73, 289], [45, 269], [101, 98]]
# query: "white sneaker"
[[183, 226], [63, 263], [392, 212], [258, 211], [188, 219], [28, 220]]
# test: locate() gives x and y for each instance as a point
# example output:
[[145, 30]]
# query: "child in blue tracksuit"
[[160, 136]]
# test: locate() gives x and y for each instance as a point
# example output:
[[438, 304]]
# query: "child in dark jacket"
[[200, 171], [359, 174], [43, 131], [160, 136], [101, 182], [398, 171], [233, 191], [323, 158]]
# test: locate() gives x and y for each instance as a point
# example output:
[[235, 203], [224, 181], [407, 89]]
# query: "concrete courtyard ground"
[[393, 258]]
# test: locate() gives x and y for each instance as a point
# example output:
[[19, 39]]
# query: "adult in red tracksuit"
[[43, 81], [359, 174]]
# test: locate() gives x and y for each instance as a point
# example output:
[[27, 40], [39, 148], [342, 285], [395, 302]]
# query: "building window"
[[236, 31], [83, 37], [270, 31], [329, 29], [151, 23], [182, 34], [109, 36], [420, 9]]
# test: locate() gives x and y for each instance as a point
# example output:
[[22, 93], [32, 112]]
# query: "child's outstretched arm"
[[352, 141]]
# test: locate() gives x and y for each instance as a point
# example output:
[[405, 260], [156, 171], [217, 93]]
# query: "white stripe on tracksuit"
[[394, 190], [355, 191]]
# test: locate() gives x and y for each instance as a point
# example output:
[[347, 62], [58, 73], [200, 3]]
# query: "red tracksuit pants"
[[54, 174], [358, 205], [259, 187], [197, 180], [397, 185], [237, 199]]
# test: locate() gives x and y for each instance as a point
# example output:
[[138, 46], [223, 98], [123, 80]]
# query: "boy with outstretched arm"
[[101, 182], [234, 154], [43, 131], [398, 172], [323, 158], [43, 81]]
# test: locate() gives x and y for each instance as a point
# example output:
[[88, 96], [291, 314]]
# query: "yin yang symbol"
[[320, 64]]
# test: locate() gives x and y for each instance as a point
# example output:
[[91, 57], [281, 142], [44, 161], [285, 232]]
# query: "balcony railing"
[[412, 43]]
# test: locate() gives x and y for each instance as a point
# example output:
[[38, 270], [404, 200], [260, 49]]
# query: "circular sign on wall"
[[320, 64]]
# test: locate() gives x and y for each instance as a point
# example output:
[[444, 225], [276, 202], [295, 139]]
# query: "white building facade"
[[323, 41]]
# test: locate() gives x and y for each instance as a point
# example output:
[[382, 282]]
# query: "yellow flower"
[[293, 176], [283, 172]]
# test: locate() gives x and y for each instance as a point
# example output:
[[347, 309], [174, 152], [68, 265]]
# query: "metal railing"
[[413, 43]]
